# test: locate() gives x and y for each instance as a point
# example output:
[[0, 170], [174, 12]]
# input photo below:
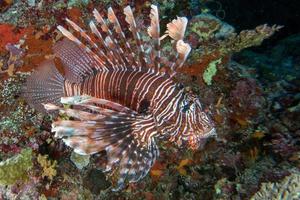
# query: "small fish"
[[121, 99]]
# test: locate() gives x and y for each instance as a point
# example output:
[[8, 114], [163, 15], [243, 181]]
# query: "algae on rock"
[[16, 168], [211, 71]]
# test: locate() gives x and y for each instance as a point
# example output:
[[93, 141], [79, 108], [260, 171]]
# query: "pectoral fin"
[[128, 138]]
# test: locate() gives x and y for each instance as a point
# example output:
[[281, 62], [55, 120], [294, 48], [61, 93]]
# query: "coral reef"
[[287, 189], [212, 35], [252, 95], [18, 122], [214, 41]]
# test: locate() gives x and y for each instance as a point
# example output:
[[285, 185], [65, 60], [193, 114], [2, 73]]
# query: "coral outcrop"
[[287, 189]]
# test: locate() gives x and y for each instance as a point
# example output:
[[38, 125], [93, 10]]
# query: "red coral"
[[9, 34], [246, 98], [38, 47], [285, 144], [13, 148]]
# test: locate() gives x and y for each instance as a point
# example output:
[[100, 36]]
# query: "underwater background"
[[244, 64]]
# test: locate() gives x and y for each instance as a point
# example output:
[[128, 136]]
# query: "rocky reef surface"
[[253, 96]]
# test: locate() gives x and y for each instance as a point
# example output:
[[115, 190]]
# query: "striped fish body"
[[137, 90], [143, 92], [121, 101]]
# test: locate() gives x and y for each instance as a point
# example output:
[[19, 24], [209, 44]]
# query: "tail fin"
[[45, 85]]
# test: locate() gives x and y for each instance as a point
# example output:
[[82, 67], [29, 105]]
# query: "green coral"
[[287, 189], [14, 14], [209, 35], [211, 71], [77, 3], [205, 26], [165, 6], [59, 5], [208, 27], [247, 38], [16, 168]]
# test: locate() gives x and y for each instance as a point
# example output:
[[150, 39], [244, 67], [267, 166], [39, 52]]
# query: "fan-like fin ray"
[[128, 139], [176, 28], [77, 63], [90, 41], [183, 50], [45, 85], [115, 52], [88, 100], [130, 56]]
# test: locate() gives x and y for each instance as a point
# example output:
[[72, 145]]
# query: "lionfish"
[[123, 95]]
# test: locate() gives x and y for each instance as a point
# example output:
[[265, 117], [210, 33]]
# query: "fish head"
[[196, 124]]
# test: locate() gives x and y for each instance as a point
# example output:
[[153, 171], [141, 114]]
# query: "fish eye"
[[187, 105], [180, 86], [192, 107]]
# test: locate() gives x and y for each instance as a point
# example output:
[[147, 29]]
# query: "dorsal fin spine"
[[115, 52], [117, 27], [154, 32], [133, 28], [71, 37], [117, 49], [183, 50], [85, 36], [98, 34]]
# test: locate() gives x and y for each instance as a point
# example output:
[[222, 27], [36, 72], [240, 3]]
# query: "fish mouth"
[[210, 133], [198, 142]]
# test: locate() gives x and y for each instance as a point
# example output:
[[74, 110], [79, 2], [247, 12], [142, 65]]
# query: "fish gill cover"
[[121, 85]]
